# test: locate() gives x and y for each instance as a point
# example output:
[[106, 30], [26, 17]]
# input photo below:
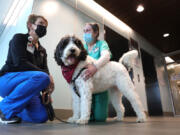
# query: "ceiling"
[[159, 17]]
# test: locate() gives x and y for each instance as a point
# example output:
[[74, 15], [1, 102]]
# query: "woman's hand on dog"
[[91, 70]]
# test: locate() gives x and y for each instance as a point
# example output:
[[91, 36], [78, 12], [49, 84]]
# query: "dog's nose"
[[72, 50]]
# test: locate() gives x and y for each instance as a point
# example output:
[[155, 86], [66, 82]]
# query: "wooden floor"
[[153, 126]]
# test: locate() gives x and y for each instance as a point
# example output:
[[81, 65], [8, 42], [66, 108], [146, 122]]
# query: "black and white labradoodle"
[[70, 53]]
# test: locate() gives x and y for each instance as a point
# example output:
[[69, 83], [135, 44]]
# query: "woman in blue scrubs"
[[24, 75]]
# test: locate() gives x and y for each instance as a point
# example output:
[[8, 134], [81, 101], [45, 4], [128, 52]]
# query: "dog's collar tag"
[[95, 50]]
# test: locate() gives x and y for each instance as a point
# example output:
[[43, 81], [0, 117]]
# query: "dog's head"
[[69, 51]]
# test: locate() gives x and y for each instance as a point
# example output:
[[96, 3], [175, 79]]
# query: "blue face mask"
[[88, 37]]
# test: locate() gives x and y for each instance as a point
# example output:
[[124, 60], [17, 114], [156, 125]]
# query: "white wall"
[[124, 30], [63, 20]]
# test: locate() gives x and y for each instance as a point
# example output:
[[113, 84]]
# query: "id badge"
[[95, 50], [30, 49]]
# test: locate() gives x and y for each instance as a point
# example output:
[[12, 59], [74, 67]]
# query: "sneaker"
[[13, 120]]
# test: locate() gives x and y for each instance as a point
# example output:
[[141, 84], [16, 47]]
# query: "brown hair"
[[95, 28], [33, 17]]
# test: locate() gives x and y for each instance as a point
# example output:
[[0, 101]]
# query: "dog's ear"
[[58, 54], [60, 48], [83, 53]]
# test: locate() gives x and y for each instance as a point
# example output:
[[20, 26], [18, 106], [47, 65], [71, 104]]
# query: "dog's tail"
[[129, 58]]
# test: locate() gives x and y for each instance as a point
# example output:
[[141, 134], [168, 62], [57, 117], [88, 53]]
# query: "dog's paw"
[[72, 120], [119, 118], [141, 119], [82, 121], [114, 119]]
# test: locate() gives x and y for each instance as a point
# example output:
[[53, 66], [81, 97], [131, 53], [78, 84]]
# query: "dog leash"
[[59, 119], [76, 91], [73, 81], [49, 108], [46, 100]]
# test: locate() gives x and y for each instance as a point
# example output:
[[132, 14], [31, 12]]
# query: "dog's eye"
[[77, 42]]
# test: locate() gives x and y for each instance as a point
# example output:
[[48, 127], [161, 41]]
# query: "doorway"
[[151, 85], [118, 46]]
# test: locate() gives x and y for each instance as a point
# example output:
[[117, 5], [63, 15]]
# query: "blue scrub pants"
[[21, 93]]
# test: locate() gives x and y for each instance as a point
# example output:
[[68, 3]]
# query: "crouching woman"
[[24, 75]]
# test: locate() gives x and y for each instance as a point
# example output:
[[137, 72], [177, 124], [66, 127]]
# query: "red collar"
[[68, 71]]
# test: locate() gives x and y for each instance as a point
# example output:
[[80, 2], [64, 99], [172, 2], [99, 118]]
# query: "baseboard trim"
[[164, 113], [66, 113], [63, 113], [168, 114]]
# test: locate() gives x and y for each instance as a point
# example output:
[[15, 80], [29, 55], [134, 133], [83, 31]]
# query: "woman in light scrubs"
[[99, 50]]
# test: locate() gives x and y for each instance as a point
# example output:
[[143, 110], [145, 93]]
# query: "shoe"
[[13, 120]]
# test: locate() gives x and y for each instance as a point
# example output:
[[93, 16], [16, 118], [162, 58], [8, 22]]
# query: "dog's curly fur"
[[117, 81]]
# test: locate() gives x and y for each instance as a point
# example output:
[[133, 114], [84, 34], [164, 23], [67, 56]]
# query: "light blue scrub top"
[[97, 49]]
